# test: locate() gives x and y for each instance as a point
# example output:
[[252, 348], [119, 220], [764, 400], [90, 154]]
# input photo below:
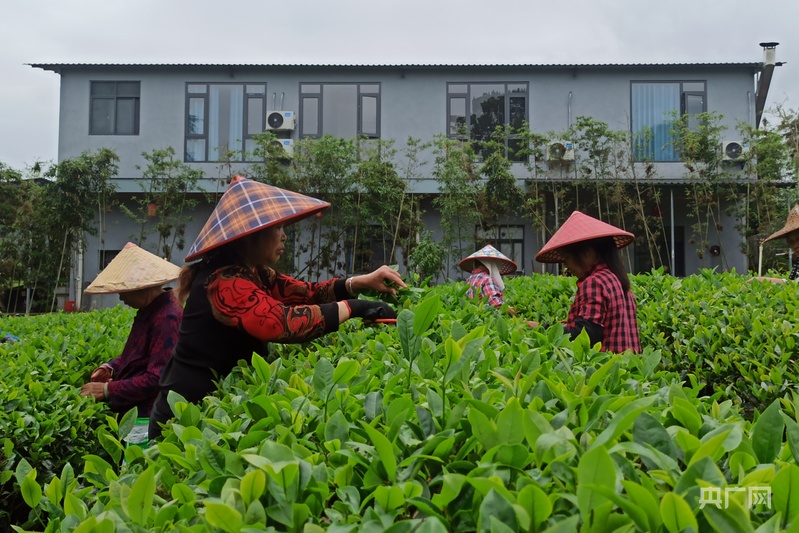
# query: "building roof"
[[56, 67]]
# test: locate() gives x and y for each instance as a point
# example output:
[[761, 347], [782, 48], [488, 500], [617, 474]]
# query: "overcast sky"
[[367, 32]]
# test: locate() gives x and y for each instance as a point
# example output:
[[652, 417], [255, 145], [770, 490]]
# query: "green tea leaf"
[[31, 491], [767, 433], [140, 500], [536, 503], [385, 451], [424, 314], [785, 493], [676, 513], [252, 485], [222, 516], [595, 468], [730, 518], [495, 506]]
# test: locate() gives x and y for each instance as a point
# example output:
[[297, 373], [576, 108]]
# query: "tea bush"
[[461, 418], [45, 424]]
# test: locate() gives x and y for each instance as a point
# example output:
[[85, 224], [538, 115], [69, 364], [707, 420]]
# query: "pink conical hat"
[[580, 227]]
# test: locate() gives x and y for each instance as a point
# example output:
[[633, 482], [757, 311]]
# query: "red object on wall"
[[151, 210], [69, 306]]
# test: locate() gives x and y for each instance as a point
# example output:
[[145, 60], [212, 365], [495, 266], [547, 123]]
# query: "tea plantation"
[[460, 418]]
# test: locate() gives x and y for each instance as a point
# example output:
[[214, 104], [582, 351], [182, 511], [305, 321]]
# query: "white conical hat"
[[489, 253], [132, 269]]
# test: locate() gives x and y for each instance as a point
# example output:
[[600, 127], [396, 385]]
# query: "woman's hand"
[[384, 279], [101, 374], [95, 390]]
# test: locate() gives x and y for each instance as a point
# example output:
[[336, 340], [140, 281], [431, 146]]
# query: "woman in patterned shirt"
[[486, 267], [603, 306], [236, 303]]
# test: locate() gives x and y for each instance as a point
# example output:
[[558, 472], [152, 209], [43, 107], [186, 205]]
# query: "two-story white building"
[[204, 111]]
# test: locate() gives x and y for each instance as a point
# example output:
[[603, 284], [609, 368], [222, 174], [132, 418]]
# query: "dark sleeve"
[[595, 331], [137, 390]]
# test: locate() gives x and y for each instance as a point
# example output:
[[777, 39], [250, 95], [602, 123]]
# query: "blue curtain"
[[652, 108]]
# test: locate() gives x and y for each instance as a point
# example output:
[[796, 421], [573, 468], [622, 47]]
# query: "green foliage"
[[462, 419], [45, 425]]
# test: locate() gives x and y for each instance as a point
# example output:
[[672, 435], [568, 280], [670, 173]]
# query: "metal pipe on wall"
[[673, 223]]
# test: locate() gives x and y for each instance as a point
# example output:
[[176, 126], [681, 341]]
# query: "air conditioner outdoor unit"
[[734, 150], [287, 145], [560, 151], [280, 121]]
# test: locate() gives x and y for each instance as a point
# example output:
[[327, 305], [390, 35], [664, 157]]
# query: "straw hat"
[[506, 265], [132, 269], [792, 224], [248, 206], [578, 228]]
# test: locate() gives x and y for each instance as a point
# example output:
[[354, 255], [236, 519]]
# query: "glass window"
[[654, 106], [114, 108], [343, 110], [310, 116], [221, 120], [477, 109]]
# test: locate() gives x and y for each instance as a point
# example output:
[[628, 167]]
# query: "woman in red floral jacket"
[[236, 301]]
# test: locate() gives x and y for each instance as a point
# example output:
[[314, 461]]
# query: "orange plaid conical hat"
[[792, 224], [132, 269], [248, 206], [580, 227], [506, 265]]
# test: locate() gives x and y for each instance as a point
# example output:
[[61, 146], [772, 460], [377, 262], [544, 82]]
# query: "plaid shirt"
[[485, 283], [600, 299], [149, 346], [274, 307]]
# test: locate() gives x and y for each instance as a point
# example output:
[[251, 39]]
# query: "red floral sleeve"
[[294, 292], [239, 300]]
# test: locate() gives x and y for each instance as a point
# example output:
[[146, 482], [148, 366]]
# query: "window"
[[106, 256], [221, 120], [508, 239], [654, 106], [345, 110], [114, 108], [474, 110]]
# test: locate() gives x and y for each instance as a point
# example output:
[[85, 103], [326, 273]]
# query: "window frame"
[[320, 106], [683, 97], [116, 98], [244, 135], [506, 109]]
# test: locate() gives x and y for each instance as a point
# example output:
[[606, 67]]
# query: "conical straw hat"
[[580, 227], [248, 206], [506, 265], [792, 224], [132, 269]]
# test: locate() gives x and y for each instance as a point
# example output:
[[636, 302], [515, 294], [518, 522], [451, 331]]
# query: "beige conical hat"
[[132, 269], [792, 224]]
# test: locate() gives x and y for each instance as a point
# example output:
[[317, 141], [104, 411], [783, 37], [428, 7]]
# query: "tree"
[[169, 193]]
